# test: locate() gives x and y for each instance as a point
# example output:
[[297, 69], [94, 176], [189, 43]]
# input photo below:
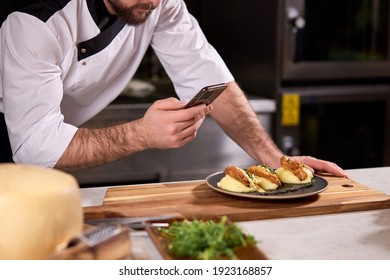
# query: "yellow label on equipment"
[[290, 109]]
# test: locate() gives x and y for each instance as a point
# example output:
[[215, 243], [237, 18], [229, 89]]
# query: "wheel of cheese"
[[40, 211]]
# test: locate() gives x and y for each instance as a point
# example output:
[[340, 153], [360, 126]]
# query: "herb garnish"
[[205, 239]]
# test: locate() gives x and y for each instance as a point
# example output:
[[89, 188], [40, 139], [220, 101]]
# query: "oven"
[[338, 40], [334, 94], [325, 62]]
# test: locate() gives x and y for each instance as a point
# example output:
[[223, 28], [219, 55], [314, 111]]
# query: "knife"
[[137, 223]]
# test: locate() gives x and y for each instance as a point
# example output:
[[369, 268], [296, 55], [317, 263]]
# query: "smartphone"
[[206, 95]]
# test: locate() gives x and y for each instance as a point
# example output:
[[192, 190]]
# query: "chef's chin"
[[135, 18], [134, 15]]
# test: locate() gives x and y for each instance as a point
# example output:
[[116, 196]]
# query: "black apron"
[[5, 147]]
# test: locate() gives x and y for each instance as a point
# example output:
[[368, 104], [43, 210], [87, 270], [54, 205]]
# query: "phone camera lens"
[[206, 94]]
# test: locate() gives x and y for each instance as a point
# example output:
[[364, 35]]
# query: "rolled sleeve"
[[46, 145]]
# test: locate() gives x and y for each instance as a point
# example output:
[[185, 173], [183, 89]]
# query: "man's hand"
[[167, 125], [321, 165]]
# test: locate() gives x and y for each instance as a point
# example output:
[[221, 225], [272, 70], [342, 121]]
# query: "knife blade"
[[93, 196], [137, 223]]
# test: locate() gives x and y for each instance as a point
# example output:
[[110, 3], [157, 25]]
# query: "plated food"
[[261, 178], [267, 178], [293, 172], [291, 180], [239, 180]]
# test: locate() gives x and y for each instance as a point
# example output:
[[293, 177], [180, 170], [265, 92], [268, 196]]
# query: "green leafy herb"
[[205, 239]]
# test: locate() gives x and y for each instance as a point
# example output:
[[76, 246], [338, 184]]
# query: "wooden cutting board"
[[195, 199]]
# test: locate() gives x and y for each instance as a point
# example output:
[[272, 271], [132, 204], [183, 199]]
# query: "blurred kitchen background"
[[317, 73]]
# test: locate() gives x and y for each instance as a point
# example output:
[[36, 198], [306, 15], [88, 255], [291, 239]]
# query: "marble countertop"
[[362, 235]]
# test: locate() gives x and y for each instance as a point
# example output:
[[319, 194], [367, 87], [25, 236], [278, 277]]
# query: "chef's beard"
[[133, 15]]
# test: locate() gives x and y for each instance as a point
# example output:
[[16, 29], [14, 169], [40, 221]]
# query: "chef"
[[63, 61]]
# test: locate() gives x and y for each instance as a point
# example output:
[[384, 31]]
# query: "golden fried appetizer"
[[238, 180], [293, 172], [266, 176]]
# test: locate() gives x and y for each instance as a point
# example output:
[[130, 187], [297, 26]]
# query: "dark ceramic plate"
[[286, 191]]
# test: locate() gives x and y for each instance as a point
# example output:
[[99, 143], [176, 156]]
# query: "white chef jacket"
[[60, 66]]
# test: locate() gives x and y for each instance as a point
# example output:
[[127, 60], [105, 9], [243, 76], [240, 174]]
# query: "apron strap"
[[5, 147]]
